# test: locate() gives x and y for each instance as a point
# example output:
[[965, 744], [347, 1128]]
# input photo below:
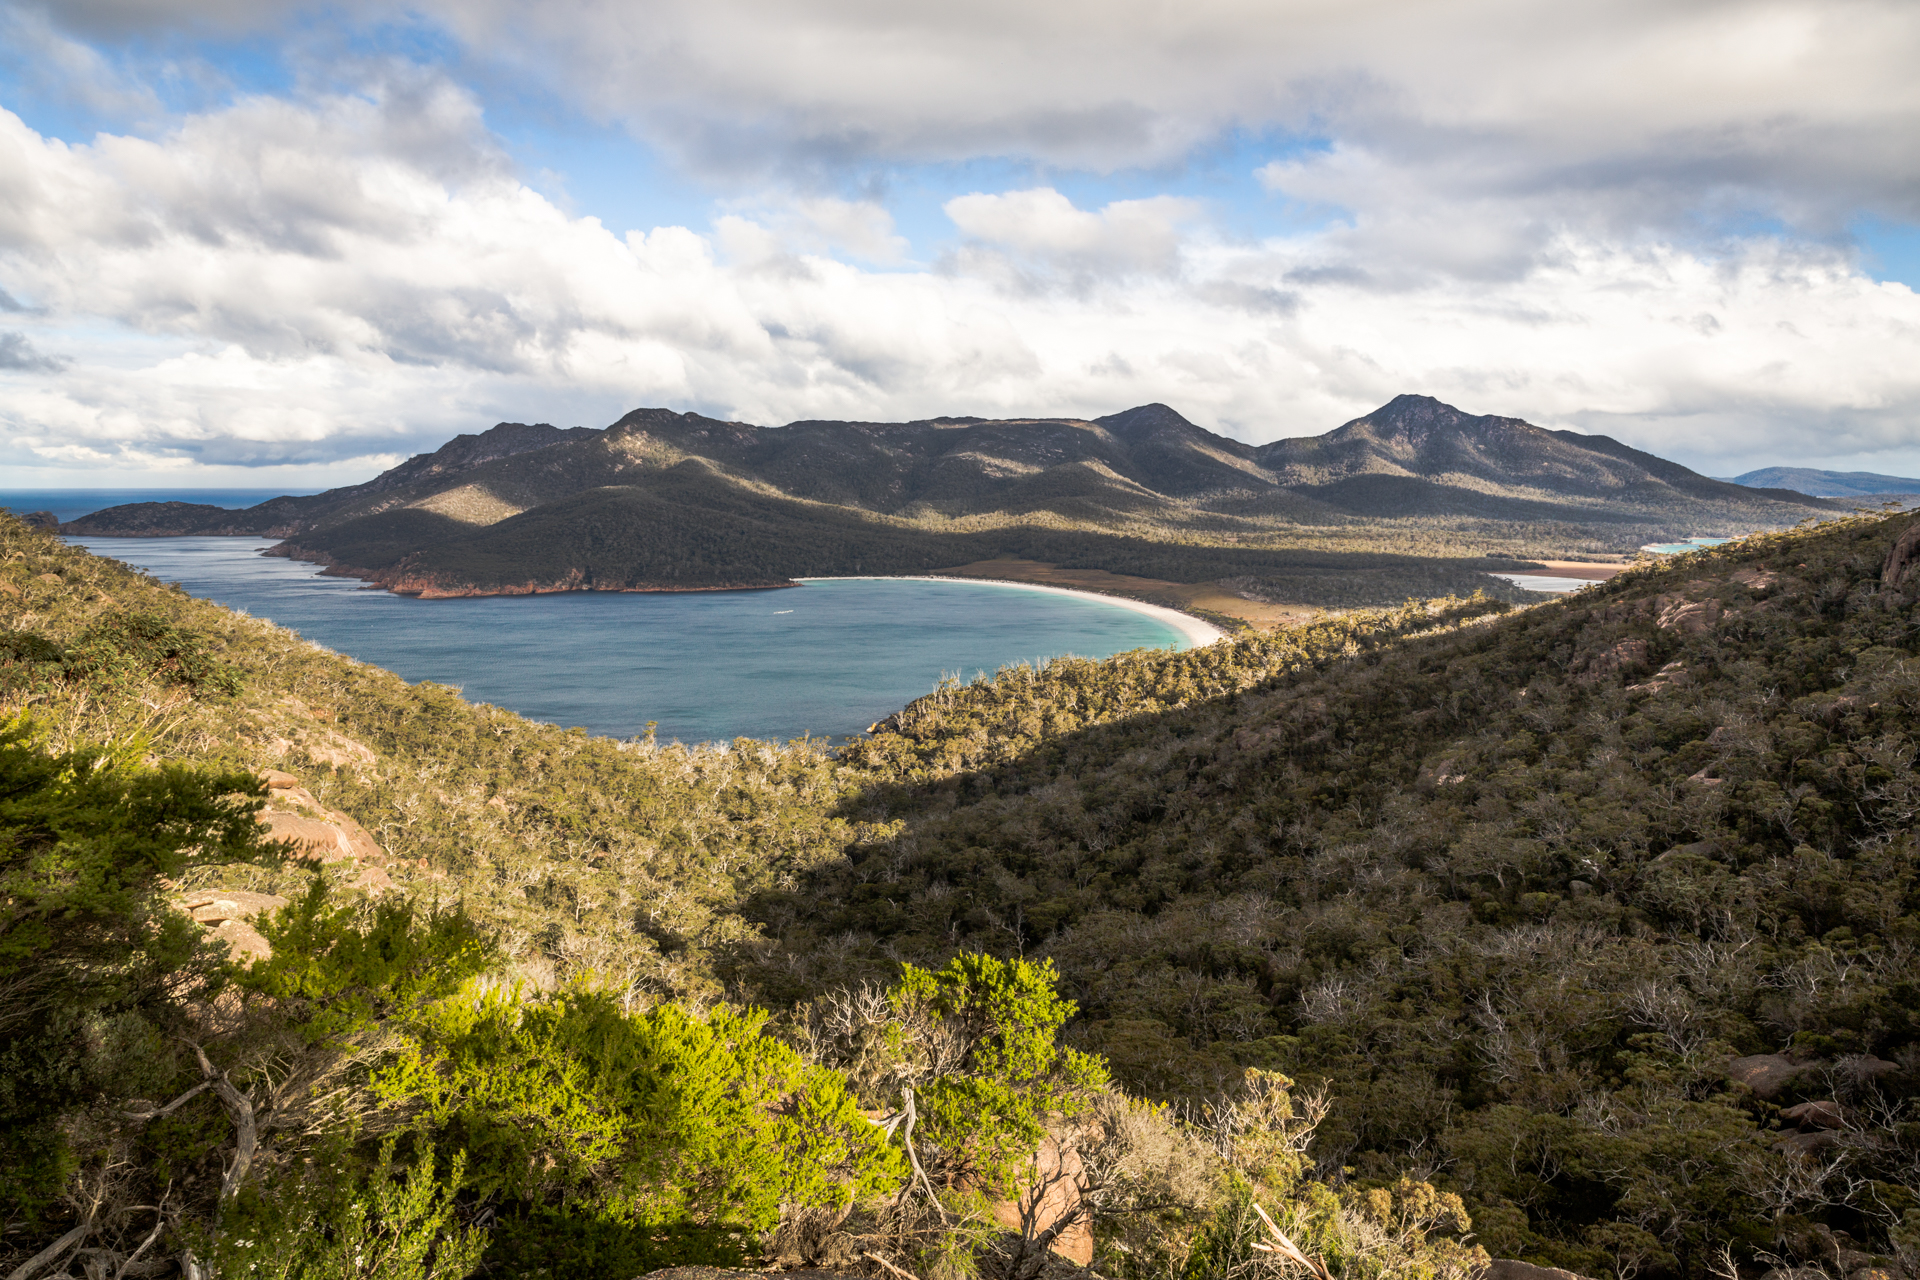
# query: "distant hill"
[[1830, 484], [1418, 456], [677, 501]]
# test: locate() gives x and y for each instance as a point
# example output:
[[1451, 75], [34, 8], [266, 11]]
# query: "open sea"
[[824, 659]]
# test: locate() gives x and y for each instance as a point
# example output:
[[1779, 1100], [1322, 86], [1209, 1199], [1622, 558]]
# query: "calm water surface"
[[827, 658]]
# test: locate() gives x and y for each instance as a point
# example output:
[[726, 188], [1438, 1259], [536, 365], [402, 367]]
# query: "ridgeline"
[[1414, 500]]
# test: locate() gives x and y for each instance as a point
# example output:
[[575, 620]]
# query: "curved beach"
[[1196, 631]]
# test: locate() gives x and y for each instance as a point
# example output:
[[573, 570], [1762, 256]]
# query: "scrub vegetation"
[[1582, 933]]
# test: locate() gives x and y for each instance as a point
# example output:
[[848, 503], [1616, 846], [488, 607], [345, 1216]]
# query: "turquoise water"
[[1550, 584], [827, 658], [1691, 544]]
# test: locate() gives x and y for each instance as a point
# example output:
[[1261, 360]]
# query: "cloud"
[[1043, 226], [17, 353], [1802, 109], [347, 278]]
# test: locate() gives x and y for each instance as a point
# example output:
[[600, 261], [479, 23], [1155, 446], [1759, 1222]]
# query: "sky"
[[264, 243]]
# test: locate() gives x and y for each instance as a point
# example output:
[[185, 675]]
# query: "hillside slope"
[[1602, 914], [1607, 911]]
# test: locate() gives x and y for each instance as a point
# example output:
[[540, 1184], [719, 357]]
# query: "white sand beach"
[[1196, 631]]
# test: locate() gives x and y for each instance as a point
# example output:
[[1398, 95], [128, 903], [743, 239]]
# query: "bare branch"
[[159, 1222], [48, 1255], [1287, 1248], [240, 1111], [173, 1106]]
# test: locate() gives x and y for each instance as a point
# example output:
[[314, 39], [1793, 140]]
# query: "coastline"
[[1198, 632]]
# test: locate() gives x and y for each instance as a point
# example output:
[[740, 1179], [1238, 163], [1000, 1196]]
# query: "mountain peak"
[[1418, 419], [1145, 417]]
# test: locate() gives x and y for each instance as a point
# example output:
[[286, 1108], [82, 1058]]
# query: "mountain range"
[[677, 501], [1830, 484]]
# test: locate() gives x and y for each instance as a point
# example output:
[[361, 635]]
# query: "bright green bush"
[[987, 1112], [340, 969], [653, 1118]]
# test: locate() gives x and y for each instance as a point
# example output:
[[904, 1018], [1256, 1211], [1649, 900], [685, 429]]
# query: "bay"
[[827, 658]]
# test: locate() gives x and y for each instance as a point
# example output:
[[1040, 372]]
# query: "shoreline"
[[1198, 632]]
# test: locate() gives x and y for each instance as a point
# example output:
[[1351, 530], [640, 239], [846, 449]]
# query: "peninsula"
[[1416, 499]]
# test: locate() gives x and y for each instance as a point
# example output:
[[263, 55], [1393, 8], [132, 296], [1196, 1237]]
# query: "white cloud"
[[1044, 227], [341, 280], [1803, 109]]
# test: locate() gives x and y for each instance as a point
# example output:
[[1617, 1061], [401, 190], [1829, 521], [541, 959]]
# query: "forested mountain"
[[1407, 501], [1599, 917]]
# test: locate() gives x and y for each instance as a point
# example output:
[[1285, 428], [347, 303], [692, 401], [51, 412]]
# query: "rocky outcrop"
[[1901, 556], [1051, 1201], [1628, 655], [229, 911], [316, 833]]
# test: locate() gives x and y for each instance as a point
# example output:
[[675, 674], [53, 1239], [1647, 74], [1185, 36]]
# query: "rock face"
[[1901, 556], [1052, 1197]]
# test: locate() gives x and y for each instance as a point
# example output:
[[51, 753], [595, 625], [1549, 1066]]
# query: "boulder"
[[1824, 1114], [1767, 1074], [1511, 1269], [1864, 1068], [311, 838], [244, 943], [1807, 1144], [211, 906]]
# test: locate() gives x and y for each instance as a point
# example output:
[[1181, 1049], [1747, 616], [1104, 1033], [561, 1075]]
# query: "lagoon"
[[827, 658]]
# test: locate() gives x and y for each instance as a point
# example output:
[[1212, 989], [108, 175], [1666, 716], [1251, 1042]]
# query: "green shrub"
[[659, 1119], [383, 1227]]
